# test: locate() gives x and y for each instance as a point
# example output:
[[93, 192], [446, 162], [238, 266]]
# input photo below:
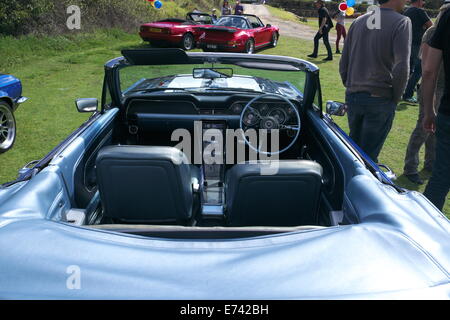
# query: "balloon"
[[158, 4], [343, 6], [350, 11], [350, 3]]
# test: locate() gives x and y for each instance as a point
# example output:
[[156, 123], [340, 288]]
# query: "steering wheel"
[[255, 120]]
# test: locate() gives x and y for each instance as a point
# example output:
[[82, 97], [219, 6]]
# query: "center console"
[[213, 169]]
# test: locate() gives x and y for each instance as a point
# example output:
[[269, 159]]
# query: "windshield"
[[235, 22], [201, 18], [180, 78]]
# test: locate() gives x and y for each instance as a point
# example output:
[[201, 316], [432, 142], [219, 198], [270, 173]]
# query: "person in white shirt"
[[340, 28]]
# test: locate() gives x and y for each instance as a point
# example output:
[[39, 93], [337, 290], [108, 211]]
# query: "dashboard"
[[166, 112]]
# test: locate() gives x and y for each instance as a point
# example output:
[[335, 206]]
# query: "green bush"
[[20, 17]]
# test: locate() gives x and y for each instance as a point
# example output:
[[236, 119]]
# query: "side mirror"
[[388, 171], [87, 105], [336, 108], [268, 25]]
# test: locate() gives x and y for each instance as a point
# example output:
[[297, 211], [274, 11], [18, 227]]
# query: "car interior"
[[134, 178], [144, 185]]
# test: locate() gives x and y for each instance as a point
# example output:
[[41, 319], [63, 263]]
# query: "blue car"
[[215, 176], [10, 98]]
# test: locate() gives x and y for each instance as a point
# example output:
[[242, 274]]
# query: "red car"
[[176, 32], [238, 33]]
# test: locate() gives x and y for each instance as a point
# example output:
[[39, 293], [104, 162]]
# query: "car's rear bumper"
[[221, 47], [161, 37]]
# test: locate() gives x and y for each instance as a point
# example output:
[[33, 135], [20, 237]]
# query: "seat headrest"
[[143, 153]]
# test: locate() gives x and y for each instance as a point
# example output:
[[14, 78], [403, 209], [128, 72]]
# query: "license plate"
[[155, 30], [211, 46]]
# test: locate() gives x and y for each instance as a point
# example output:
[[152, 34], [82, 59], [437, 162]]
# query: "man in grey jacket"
[[374, 68]]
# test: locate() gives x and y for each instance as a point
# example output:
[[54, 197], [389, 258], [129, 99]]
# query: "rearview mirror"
[[335, 108], [212, 73], [268, 25], [87, 105]]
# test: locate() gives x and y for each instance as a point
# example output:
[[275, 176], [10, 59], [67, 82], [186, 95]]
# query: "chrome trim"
[[21, 100]]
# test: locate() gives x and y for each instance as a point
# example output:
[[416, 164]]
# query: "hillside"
[[48, 17], [305, 8]]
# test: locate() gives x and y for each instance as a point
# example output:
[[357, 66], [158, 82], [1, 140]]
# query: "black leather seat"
[[140, 184], [290, 197]]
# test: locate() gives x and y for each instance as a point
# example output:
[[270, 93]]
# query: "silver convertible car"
[[215, 176]]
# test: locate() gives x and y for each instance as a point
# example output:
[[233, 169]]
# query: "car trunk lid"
[[217, 34]]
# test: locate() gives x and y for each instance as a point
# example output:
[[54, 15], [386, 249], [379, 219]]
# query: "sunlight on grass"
[[283, 14]]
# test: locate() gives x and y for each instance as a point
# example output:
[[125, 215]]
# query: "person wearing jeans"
[[325, 24], [370, 120], [415, 75], [375, 75], [439, 184], [340, 29], [419, 136], [438, 50], [420, 22]]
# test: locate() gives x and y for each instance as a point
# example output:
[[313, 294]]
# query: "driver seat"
[[288, 197]]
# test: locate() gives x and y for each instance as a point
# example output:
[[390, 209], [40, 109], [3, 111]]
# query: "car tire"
[[7, 127], [274, 42], [250, 46], [188, 42]]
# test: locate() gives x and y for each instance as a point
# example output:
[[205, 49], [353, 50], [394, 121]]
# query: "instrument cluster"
[[281, 112]]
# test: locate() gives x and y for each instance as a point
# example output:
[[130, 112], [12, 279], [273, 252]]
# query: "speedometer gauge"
[[237, 108], [263, 109], [278, 114], [251, 118]]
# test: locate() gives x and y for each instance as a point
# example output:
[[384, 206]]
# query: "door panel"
[[78, 160]]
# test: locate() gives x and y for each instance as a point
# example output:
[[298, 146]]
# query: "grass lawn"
[[57, 71]]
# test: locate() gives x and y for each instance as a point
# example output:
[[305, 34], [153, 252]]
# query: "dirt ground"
[[287, 28]]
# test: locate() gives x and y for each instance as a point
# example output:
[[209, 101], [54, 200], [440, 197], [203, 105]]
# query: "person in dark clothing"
[[375, 75], [420, 22], [419, 136], [438, 49], [238, 9], [325, 24]]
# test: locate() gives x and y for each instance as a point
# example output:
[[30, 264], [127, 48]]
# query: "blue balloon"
[[158, 4], [350, 3]]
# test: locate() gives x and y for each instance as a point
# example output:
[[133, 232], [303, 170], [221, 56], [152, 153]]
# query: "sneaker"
[[410, 100], [414, 178], [312, 55], [338, 52], [328, 59]]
